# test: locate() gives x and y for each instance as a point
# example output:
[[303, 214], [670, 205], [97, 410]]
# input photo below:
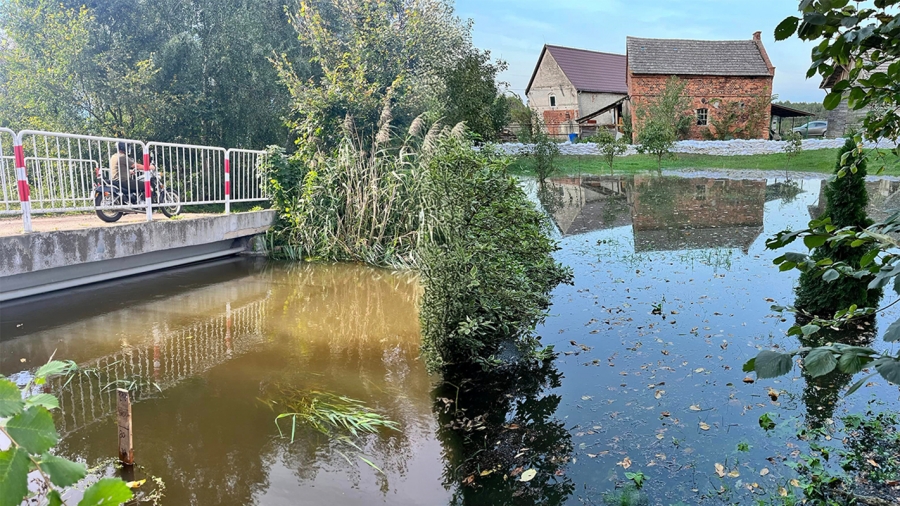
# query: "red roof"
[[590, 71]]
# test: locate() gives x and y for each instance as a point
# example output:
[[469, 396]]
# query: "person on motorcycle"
[[122, 171]]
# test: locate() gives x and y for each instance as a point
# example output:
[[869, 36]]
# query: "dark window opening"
[[552, 101], [702, 116]]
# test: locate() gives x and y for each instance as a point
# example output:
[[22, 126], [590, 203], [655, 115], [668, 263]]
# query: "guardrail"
[[60, 172]]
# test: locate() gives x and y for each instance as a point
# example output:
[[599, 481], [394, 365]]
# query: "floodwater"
[[672, 294]]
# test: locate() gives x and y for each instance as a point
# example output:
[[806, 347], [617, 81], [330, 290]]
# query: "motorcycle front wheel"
[[106, 215], [170, 204]]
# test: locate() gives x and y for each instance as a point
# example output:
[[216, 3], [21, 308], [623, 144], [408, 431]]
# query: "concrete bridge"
[[48, 185], [41, 262]]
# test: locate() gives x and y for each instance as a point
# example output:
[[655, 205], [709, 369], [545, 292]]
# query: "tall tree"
[[471, 94]]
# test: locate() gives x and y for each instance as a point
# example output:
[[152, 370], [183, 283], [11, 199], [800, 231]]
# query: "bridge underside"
[[31, 264]]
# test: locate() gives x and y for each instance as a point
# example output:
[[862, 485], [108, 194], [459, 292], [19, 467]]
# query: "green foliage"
[[656, 138], [637, 477], [627, 496], [487, 267], [30, 429], [471, 95], [372, 54], [846, 201], [169, 70], [671, 110], [858, 44], [544, 152], [609, 147], [793, 146], [738, 119]]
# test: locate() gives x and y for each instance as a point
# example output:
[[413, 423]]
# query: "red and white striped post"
[[147, 195], [22, 181], [228, 181]]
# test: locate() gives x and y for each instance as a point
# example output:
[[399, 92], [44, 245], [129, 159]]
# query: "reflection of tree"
[[497, 425], [551, 196], [821, 394]]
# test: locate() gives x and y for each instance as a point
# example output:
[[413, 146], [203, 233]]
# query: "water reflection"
[[665, 213], [201, 360], [884, 200], [501, 427]]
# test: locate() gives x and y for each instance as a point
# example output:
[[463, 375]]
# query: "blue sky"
[[516, 30]]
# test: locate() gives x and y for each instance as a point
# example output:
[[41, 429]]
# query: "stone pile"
[[722, 148]]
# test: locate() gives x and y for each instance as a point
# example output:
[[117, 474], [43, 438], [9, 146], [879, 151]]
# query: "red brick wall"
[[642, 88], [560, 121]]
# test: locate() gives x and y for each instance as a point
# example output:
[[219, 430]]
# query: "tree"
[[846, 201], [862, 42], [857, 44], [670, 109], [43, 42], [657, 138], [610, 147], [471, 95], [368, 55]]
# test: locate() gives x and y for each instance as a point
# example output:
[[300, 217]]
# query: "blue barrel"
[[572, 137]]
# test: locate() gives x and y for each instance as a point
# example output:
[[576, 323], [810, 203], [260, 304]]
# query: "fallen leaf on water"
[[748, 379], [626, 463], [795, 483], [586, 397], [699, 370], [135, 484], [782, 491], [592, 455], [872, 462], [764, 471], [695, 407], [487, 472], [773, 394], [665, 413], [704, 426], [734, 474], [720, 470], [659, 393], [528, 475]]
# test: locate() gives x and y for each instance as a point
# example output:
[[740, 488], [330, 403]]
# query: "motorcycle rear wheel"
[[108, 200], [170, 204]]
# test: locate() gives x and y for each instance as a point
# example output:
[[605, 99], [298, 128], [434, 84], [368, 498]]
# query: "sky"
[[516, 30]]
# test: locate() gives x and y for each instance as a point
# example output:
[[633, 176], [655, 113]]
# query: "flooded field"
[[672, 294]]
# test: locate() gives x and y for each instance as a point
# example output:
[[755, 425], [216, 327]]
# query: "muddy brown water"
[[672, 294]]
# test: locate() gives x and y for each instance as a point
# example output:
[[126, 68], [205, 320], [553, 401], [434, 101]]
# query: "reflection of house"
[[666, 213], [884, 200], [673, 213], [576, 90], [841, 118], [580, 205]]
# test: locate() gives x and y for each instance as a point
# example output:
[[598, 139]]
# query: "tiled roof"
[[696, 57], [590, 71]]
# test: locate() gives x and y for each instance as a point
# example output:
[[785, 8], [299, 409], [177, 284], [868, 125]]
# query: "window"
[[702, 116], [552, 101]]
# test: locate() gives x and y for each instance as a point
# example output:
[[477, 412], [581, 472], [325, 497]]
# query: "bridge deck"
[[12, 225]]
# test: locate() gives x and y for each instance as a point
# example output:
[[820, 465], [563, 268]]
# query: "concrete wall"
[[590, 102], [46, 261]]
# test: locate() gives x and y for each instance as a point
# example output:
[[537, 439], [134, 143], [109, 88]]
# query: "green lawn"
[[819, 160]]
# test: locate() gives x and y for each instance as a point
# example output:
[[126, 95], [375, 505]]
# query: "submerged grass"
[[819, 161]]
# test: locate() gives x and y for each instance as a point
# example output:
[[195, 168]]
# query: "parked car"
[[812, 129]]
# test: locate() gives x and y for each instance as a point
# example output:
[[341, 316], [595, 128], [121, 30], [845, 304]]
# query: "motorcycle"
[[111, 200]]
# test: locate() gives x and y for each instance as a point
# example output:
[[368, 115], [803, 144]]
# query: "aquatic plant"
[[328, 413], [28, 425]]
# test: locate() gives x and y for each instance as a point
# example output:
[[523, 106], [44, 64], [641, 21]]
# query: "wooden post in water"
[[123, 410]]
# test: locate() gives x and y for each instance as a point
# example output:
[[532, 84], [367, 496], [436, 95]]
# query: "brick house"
[[716, 72], [577, 91]]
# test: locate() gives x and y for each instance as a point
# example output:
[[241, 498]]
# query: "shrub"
[[847, 199], [657, 139], [609, 147], [487, 267]]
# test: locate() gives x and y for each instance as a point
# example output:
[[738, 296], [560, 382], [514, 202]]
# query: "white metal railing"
[[9, 193], [49, 172]]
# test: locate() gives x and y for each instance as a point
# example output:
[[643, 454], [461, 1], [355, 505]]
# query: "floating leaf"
[[764, 471], [734, 473], [695, 407], [704, 426], [625, 463], [528, 475], [720, 470]]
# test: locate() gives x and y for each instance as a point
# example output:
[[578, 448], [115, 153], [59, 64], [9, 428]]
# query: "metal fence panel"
[[9, 189], [195, 173], [249, 181], [63, 168]]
